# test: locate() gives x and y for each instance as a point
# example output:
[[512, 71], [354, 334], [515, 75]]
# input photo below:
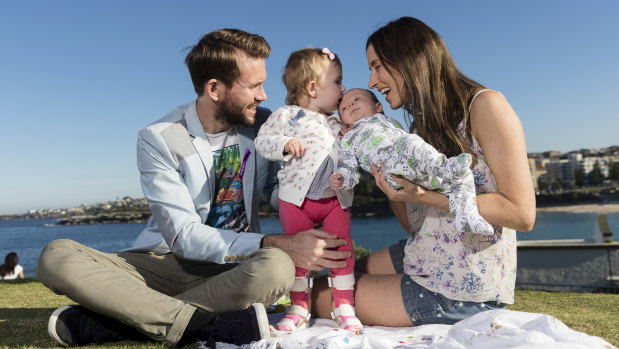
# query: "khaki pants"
[[158, 294]]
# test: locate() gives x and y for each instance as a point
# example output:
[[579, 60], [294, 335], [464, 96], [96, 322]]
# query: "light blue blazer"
[[175, 161]]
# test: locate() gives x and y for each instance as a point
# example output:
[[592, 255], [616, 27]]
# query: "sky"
[[79, 79]]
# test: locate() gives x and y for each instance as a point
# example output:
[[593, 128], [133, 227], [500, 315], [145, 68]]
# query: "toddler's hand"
[[294, 147], [336, 180]]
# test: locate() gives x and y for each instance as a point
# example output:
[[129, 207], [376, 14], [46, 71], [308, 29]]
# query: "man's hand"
[[294, 147], [310, 249], [336, 180]]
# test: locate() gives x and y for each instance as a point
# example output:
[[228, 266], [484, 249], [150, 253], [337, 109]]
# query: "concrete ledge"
[[566, 244], [567, 266]]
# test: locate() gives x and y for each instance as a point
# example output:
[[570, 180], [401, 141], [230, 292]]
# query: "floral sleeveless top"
[[461, 266]]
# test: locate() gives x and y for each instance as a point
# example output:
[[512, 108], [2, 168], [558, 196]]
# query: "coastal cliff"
[[107, 218]]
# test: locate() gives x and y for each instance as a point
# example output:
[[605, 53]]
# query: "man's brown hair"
[[215, 56]]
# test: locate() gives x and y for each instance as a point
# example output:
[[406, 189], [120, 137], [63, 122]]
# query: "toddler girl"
[[303, 136]]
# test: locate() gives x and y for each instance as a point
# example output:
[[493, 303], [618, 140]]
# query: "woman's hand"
[[409, 192]]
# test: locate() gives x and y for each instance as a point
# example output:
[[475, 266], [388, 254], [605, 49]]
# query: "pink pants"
[[336, 220]]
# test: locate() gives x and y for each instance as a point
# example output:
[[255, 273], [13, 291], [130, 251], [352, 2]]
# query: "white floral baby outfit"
[[376, 140]]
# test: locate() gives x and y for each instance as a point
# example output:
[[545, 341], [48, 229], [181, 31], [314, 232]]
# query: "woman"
[[10, 269], [441, 275]]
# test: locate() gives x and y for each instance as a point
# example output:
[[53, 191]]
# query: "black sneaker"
[[73, 325], [238, 327]]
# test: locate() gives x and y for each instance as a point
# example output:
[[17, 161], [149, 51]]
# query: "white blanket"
[[489, 329]]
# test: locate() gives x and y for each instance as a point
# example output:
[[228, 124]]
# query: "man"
[[200, 270]]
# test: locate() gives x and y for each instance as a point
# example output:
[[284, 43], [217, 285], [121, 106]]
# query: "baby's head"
[[358, 103], [310, 71]]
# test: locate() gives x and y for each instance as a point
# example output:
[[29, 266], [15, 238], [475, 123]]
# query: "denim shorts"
[[426, 307]]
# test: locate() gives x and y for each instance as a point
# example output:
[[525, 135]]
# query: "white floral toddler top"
[[317, 133]]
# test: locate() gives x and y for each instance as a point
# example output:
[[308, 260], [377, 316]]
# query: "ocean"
[[28, 237]]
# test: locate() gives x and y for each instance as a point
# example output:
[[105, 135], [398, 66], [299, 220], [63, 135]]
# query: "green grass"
[[25, 307]]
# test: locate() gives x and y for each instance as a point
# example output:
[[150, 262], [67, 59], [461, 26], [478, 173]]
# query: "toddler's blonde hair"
[[303, 66]]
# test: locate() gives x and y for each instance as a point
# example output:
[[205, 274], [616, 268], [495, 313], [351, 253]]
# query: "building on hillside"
[[560, 173], [552, 171]]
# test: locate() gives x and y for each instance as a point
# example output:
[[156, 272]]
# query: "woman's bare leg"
[[378, 297], [378, 300], [376, 263]]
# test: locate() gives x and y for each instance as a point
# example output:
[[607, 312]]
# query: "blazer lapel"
[[246, 143], [200, 141]]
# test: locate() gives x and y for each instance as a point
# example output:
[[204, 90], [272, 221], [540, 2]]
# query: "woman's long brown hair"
[[436, 95]]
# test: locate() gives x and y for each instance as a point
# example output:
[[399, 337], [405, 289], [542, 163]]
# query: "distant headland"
[[125, 210], [369, 202]]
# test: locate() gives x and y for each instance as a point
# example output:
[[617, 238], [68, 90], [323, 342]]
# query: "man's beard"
[[232, 113]]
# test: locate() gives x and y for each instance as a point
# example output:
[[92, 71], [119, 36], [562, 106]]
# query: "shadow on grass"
[[25, 327], [20, 281]]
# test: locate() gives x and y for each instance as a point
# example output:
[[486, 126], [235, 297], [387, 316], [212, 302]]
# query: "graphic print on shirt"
[[228, 211]]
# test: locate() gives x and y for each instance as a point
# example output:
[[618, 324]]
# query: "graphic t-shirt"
[[227, 210]]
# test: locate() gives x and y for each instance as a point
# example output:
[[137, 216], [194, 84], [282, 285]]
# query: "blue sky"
[[79, 79]]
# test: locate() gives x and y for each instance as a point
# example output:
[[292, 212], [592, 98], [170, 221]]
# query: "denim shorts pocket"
[[446, 303], [432, 307]]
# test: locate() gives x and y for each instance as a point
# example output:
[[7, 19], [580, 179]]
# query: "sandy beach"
[[594, 208]]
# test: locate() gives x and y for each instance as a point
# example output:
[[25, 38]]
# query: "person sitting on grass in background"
[[303, 136], [370, 138], [11, 269]]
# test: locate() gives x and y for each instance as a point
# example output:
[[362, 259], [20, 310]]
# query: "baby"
[[374, 139]]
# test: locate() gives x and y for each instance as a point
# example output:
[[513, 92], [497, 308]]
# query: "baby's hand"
[[345, 130], [336, 180], [294, 147]]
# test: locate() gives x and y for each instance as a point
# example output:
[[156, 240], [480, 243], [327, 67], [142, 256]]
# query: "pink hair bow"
[[329, 54]]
